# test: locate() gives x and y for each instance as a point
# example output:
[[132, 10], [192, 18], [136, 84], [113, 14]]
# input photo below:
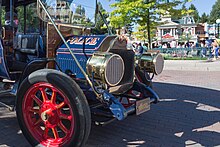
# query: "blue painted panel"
[[66, 61], [3, 69]]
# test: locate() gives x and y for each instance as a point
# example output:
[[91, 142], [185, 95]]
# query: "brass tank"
[[107, 67], [151, 62]]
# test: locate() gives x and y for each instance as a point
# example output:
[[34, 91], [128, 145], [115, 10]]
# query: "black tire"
[[78, 106], [144, 77]]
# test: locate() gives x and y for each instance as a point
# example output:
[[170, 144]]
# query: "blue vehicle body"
[[83, 47], [3, 66]]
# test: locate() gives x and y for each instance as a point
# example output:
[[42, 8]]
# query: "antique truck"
[[65, 78]]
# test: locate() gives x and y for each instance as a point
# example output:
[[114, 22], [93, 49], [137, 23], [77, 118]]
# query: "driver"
[[15, 20]]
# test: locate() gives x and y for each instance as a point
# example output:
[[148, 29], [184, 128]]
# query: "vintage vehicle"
[[64, 78]]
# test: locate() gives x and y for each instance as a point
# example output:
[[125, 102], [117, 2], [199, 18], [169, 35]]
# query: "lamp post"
[[218, 22]]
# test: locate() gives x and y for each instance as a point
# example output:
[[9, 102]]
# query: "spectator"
[[15, 21], [134, 46], [216, 48], [164, 45], [168, 45], [145, 47], [187, 45], [140, 49], [202, 44], [192, 45], [208, 43], [173, 44]]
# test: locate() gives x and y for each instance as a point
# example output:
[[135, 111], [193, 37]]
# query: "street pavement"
[[188, 114], [192, 65]]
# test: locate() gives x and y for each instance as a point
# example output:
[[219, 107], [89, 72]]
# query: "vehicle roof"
[[17, 2]]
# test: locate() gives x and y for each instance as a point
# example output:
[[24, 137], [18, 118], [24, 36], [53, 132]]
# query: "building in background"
[[211, 30], [181, 31]]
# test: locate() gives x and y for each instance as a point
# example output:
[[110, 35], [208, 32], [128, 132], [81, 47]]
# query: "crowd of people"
[[175, 44], [138, 48], [209, 47]]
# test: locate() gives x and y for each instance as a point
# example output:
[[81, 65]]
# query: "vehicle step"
[[15, 72], [101, 121]]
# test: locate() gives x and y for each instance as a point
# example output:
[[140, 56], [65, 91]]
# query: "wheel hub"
[[49, 115]]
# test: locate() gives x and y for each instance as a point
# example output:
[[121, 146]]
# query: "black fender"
[[32, 66], [144, 77]]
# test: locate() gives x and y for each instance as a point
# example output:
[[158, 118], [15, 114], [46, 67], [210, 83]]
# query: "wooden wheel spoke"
[[53, 97], [55, 133], [63, 128], [64, 116], [37, 100], [46, 132], [44, 94], [61, 105], [33, 110], [37, 123]]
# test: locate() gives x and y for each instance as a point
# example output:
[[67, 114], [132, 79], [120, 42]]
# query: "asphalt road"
[[188, 115]]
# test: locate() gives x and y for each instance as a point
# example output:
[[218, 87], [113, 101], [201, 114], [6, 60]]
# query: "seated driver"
[[8, 21]]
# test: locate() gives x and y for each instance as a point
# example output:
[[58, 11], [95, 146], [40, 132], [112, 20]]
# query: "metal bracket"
[[115, 106]]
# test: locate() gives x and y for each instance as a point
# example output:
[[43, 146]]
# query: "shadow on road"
[[10, 134], [186, 116]]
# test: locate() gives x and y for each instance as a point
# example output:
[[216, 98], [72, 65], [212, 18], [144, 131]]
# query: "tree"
[[204, 18], [100, 27], [215, 13], [145, 13], [194, 13], [80, 10], [177, 17], [32, 21]]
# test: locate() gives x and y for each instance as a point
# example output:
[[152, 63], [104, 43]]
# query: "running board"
[[6, 93], [10, 108]]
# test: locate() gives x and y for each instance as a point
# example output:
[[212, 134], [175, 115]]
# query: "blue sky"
[[201, 5]]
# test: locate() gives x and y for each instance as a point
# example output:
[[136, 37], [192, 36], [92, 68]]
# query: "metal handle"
[[3, 32]]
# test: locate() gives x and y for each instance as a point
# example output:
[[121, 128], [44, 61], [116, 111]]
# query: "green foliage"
[[2, 15], [32, 21], [135, 11], [194, 13], [215, 13], [204, 18], [100, 27], [80, 10], [144, 13]]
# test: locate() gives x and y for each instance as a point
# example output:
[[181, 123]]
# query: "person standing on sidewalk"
[[208, 45], [216, 48]]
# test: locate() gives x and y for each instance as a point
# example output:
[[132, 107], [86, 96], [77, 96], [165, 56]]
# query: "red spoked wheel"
[[48, 114], [52, 110]]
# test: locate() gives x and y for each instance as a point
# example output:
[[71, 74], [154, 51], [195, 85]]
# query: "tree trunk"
[[148, 27]]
